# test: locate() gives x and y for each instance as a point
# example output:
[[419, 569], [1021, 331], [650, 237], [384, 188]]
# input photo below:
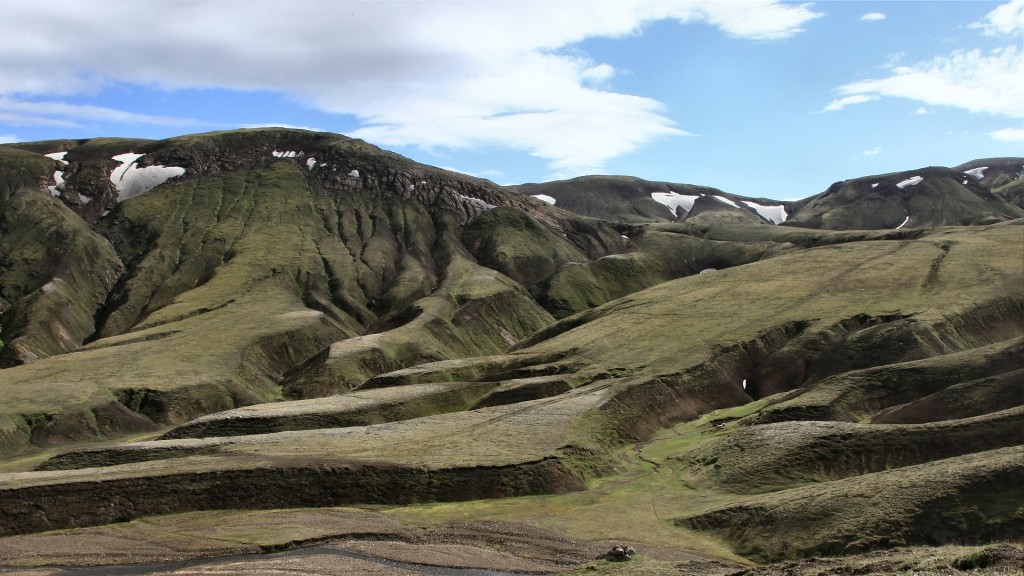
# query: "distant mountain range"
[[978, 192], [277, 318]]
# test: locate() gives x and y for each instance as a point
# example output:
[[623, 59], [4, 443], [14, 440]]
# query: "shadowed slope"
[[55, 272], [972, 498], [791, 453]]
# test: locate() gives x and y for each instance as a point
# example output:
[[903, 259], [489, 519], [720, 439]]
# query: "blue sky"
[[758, 98]]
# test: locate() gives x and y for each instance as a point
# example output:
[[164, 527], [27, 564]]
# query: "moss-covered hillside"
[[270, 319]]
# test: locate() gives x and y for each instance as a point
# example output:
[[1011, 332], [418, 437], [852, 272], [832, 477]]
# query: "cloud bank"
[[972, 80], [426, 74], [1005, 20]]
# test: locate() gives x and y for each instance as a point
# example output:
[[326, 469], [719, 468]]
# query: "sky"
[[759, 98]]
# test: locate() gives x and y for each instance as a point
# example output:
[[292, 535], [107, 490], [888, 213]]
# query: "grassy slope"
[[928, 280], [654, 257], [859, 394], [790, 453], [974, 497], [659, 358]]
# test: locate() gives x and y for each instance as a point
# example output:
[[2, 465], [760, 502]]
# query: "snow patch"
[[907, 219], [354, 173], [978, 173], [311, 163], [674, 201], [58, 179], [875, 185], [286, 154], [85, 199], [545, 198], [744, 383], [51, 286], [478, 202], [58, 156], [773, 214], [132, 181], [912, 181], [126, 161], [727, 201]]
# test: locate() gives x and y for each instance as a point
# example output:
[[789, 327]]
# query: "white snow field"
[[132, 181], [674, 200], [912, 181], [773, 214]]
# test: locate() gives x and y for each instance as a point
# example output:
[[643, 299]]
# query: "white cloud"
[[756, 20], [1009, 135], [428, 74], [873, 152], [873, 17], [971, 80], [8, 139], [840, 103], [1007, 19], [921, 110], [22, 112]]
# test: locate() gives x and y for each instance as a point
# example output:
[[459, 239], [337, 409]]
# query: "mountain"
[[633, 200], [921, 198], [204, 326], [978, 192]]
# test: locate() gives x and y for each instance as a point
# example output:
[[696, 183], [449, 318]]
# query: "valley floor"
[[555, 534]]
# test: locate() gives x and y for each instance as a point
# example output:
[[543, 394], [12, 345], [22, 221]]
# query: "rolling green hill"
[[270, 319]]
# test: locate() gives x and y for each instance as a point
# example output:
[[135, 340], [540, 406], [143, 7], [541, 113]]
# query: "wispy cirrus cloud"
[[873, 17], [1009, 135], [968, 79], [31, 112], [425, 74], [980, 82], [840, 103]]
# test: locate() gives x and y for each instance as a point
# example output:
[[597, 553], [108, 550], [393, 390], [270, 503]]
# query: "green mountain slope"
[[276, 318]]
